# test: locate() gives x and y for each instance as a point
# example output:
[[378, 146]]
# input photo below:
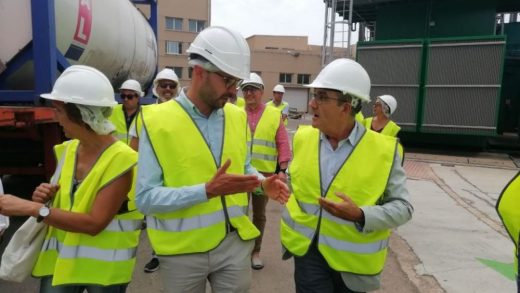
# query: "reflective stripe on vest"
[[196, 222], [201, 227], [108, 255], [508, 208], [264, 153], [104, 259], [363, 177]]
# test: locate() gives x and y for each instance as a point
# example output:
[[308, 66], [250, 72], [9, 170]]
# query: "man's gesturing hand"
[[276, 189], [347, 209], [224, 184]]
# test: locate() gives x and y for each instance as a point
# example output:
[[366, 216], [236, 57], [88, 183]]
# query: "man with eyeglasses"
[[348, 189], [270, 145], [194, 173], [123, 114]]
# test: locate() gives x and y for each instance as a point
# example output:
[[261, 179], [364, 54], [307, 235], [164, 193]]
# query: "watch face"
[[44, 211]]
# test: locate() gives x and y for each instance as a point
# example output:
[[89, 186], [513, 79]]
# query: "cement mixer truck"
[[39, 39]]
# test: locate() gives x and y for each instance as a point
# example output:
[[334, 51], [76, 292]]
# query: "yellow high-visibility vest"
[[390, 129], [362, 177], [508, 208], [118, 119], [241, 103], [186, 159], [76, 258], [264, 154], [359, 117], [280, 107]]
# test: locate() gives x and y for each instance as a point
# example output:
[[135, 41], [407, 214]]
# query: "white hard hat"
[[253, 80], [83, 85], [167, 74], [279, 88], [390, 102], [224, 48], [133, 85], [346, 76]]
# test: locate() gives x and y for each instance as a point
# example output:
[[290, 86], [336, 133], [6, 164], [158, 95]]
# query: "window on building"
[[173, 23], [304, 78], [285, 77], [173, 47], [196, 26], [178, 71]]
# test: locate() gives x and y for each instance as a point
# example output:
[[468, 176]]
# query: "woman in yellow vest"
[[508, 208], [384, 107], [93, 226]]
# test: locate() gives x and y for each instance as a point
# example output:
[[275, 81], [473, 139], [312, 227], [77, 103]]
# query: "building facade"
[[179, 23]]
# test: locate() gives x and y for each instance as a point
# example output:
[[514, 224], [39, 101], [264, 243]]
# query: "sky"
[[272, 17]]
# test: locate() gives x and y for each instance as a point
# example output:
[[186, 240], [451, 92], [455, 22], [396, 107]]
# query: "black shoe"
[[152, 265]]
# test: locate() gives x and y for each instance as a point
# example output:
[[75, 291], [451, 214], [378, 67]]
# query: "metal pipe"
[[324, 47], [349, 27], [332, 31]]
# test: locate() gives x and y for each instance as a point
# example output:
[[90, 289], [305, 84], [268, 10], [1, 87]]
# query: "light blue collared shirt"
[[394, 210], [151, 195]]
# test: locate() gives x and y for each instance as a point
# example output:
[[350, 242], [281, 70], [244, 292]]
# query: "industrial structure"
[[51, 35], [453, 65]]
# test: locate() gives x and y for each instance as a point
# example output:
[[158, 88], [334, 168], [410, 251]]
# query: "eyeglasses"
[[252, 90], [129, 97], [321, 97], [168, 85], [228, 80]]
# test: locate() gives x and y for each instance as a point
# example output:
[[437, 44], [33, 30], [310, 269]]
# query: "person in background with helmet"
[[344, 203], [277, 102], [123, 115], [194, 173], [91, 243], [165, 87], [383, 109], [508, 209], [270, 147]]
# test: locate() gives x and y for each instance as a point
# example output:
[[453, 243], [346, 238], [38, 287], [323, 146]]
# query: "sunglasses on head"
[[168, 85], [129, 97]]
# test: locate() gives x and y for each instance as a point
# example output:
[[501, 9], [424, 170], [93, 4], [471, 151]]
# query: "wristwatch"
[[43, 212]]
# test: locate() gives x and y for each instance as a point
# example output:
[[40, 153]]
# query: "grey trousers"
[[227, 268]]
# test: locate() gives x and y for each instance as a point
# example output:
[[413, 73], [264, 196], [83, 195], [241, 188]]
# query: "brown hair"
[[74, 115]]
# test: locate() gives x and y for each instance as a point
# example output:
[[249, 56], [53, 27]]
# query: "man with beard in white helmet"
[[195, 172]]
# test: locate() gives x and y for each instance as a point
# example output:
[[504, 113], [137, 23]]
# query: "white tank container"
[[112, 36]]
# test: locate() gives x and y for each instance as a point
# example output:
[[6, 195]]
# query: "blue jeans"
[[312, 274], [46, 287]]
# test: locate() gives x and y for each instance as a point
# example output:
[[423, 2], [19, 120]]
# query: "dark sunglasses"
[[129, 97], [168, 85]]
